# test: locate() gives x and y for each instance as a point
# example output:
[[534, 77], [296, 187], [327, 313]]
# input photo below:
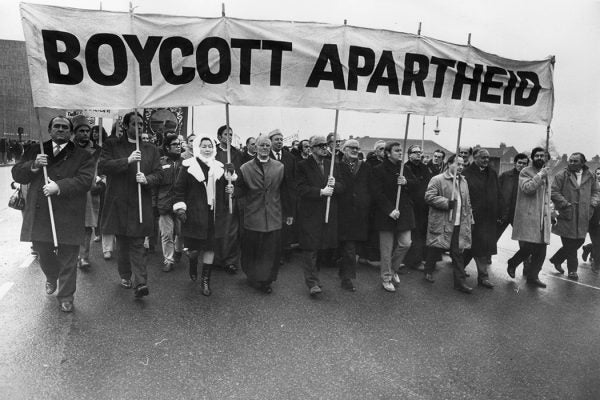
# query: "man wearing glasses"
[[486, 202], [314, 186], [354, 210]]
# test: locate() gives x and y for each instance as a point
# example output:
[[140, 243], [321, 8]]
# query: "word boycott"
[[418, 75]]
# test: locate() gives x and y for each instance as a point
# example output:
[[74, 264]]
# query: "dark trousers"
[[595, 245], [61, 267], [537, 252], [568, 252], [310, 268], [348, 260], [227, 248], [131, 259], [416, 254], [458, 265]]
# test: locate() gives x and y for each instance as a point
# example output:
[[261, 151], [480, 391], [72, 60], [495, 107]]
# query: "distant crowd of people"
[[249, 209]]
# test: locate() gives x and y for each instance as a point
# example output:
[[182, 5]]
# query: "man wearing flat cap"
[[314, 187]]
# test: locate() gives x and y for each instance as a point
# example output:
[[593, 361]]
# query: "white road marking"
[[27, 261], [569, 280], [5, 288]]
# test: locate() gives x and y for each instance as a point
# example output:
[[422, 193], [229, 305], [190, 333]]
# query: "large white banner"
[[99, 59]]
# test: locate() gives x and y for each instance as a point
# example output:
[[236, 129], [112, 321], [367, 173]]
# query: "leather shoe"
[[485, 283], [348, 285], [141, 291], [266, 288], [511, 271], [66, 306], [429, 278], [125, 283], [168, 267], [462, 287], [573, 276], [83, 263], [558, 268], [107, 255], [536, 282], [50, 287], [231, 269], [315, 290]]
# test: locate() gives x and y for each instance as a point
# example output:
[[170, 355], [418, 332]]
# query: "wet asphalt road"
[[423, 342]]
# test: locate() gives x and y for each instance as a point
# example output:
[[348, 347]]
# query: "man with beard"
[[486, 203], [120, 216], [575, 193], [262, 185], [531, 222], [509, 184], [82, 130], [70, 172], [416, 254]]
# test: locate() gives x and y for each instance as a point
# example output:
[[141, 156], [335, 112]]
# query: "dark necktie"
[[278, 156]]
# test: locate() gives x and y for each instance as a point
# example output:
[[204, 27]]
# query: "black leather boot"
[[205, 279], [193, 262]]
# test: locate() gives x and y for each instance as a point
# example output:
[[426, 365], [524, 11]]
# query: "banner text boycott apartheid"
[[397, 74]]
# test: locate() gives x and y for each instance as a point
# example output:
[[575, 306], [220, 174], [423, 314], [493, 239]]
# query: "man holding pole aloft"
[[70, 172], [393, 217], [228, 250], [121, 213], [315, 185]]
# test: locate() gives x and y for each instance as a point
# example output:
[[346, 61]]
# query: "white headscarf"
[[215, 170]]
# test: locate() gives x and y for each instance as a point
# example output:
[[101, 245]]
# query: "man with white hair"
[[353, 210]]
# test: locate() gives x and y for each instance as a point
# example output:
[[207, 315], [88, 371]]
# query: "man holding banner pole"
[[121, 213], [70, 172]]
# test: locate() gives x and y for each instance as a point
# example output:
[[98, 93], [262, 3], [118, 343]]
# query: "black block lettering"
[[512, 82], [203, 66], [386, 64], [67, 57], [119, 59], [410, 76], [460, 80], [143, 55], [277, 48], [329, 53], [165, 57], [489, 83], [442, 65], [354, 71], [526, 77], [246, 46]]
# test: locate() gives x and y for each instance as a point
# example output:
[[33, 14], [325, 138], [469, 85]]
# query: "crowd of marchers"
[[211, 205]]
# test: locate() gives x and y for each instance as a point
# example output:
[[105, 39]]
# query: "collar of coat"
[[215, 169], [447, 175]]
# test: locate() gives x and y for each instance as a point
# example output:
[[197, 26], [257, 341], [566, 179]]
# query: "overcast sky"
[[519, 29]]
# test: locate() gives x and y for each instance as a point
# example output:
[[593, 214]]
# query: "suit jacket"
[[120, 214], [314, 233], [290, 165], [73, 171]]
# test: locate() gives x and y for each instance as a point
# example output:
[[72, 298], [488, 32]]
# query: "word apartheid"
[[362, 61], [97, 59]]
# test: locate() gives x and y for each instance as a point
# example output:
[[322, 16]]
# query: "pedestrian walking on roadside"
[[70, 174], [575, 194]]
